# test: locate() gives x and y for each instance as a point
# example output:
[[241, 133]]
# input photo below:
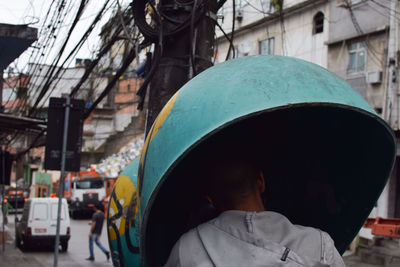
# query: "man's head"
[[98, 206], [233, 181]]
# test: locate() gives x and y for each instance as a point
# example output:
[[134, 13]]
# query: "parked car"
[[39, 222], [16, 197]]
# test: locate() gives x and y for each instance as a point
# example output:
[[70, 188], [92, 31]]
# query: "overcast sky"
[[32, 12]]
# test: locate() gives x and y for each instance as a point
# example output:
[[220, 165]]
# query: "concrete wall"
[[292, 38], [115, 142], [369, 16], [338, 60], [250, 12], [96, 129]]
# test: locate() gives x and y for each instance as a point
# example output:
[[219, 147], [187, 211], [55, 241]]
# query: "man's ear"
[[261, 182]]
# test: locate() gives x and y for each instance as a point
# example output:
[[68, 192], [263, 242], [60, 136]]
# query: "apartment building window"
[[357, 57], [267, 46], [318, 23]]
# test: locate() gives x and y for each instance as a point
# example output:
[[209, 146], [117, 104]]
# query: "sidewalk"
[[12, 256], [356, 261]]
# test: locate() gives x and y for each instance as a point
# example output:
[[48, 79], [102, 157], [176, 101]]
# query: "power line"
[[360, 31], [75, 50], [108, 88], [49, 40], [48, 82], [53, 31], [231, 47], [94, 63], [54, 38]]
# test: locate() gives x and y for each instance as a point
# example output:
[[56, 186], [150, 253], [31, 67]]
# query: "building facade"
[[299, 28], [355, 39]]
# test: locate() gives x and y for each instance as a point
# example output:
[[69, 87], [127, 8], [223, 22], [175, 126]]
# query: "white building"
[[299, 30], [349, 37]]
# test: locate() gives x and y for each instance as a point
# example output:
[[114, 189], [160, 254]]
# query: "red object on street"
[[384, 227]]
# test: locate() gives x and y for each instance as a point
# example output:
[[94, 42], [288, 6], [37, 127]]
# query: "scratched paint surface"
[[223, 95], [246, 85], [123, 220]]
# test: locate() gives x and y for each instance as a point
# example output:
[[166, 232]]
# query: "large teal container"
[[123, 219], [325, 152]]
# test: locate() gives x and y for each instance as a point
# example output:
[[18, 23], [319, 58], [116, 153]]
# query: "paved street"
[[77, 251]]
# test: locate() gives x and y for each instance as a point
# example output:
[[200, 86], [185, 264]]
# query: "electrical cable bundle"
[[155, 33]]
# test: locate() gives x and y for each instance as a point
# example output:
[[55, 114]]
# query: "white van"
[[39, 223]]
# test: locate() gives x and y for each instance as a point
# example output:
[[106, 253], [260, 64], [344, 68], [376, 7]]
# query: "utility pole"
[[175, 67], [391, 109]]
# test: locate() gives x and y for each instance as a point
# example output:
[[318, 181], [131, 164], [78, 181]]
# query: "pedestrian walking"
[[95, 231]]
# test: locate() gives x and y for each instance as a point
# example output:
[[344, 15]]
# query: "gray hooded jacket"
[[244, 239]]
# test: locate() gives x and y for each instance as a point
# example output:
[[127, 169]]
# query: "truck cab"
[[86, 191]]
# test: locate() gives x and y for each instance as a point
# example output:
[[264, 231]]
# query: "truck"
[[84, 190]]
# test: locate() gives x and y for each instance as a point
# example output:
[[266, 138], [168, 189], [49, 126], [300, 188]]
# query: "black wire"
[[385, 7], [283, 30], [158, 52], [170, 19], [54, 66], [53, 35], [231, 47], [75, 50], [183, 3], [192, 49], [138, 7], [128, 60], [47, 82], [360, 31], [48, 44], [102, 52], [233, 27], [226, 36], [220, 4]]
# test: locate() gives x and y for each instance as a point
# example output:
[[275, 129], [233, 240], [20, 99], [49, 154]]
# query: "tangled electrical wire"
[[154, 32]]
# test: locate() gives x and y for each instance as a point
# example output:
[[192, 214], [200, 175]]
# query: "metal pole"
[[1, 90], [3, 176], [61, 186], [16, 202], [390, 104]]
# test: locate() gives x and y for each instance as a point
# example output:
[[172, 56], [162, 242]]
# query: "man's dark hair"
[[230, 178], [99, 206]]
